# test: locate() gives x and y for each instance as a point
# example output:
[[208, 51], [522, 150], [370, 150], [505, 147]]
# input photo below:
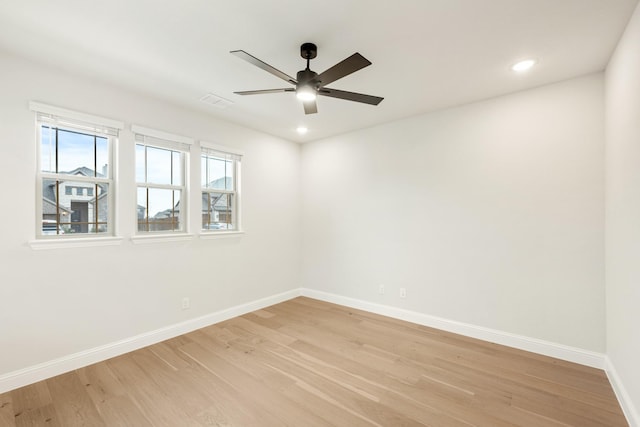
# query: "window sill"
[[161, 238], [81, 242], [220, 234]]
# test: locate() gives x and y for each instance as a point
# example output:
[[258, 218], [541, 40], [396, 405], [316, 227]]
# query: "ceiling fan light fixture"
[[306, 93], [309, 84]]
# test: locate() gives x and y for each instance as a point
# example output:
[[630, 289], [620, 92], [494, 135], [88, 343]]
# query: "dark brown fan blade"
[[260, 64], [350, 65], [260, 92], [350, 96], [310, 107]]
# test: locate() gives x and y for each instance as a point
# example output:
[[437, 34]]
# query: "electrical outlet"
[[186, 303], [403, 292], [381, 289]]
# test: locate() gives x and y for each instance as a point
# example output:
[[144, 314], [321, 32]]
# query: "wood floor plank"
[[73, 406], [148, 396], [7, 417], [308, 362], [272, 408], [43, 416], [31, 397]]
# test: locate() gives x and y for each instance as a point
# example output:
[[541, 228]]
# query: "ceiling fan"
[[308, 83]]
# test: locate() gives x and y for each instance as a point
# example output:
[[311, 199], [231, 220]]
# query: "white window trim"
[[161, 238], [75, 242], [75, 115], [154, 133], [222, 148], [166, 140], [65, 241], [220, 234], [208, 234]]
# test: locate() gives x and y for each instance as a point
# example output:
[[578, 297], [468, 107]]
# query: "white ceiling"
[[426, 54]]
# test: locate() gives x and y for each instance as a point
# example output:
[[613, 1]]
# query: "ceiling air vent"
[[216, 101]]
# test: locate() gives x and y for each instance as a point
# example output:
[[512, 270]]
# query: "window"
[[220, 170], [75, 150], [161, 181]]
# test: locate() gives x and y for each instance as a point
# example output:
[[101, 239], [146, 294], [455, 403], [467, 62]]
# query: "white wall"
[[489, 214], [623, 212], [57, 302]]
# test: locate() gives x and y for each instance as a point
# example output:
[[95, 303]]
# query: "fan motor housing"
[[305, 76]]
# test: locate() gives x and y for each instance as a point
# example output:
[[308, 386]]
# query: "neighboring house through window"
[[220, 182], [161, 160], [75, 152]]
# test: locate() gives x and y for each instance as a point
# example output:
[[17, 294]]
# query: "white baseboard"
[[42, 371], [629, 409], [31, 374], [559, 351]]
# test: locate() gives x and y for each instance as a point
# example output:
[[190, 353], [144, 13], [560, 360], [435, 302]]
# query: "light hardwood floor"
[[309, 363]]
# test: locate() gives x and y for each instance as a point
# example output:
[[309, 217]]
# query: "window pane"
[[75, 153], [158, 165], [220, 174], [207, 208], [228, 167], [141, 209], [216, 173], [47, 149], [140, 164], [98, 208], [53, 216], [177, 157], [102, 157], [217, 211], [203, 171], [65, 211], [158, 209]]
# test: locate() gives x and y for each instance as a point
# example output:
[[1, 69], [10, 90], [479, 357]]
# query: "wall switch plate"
[[403, 292], [185, 303], [381, 289]]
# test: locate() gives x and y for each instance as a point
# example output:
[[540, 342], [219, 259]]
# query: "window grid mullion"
[[79, 178], [162, 186], [57, 150], [148, 211], [211, 190], [146, 165], [173, 209]]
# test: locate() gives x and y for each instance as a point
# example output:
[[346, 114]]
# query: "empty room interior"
[[339, 214]]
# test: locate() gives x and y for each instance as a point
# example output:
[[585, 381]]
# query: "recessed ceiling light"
[[525, 65], [302, 130]]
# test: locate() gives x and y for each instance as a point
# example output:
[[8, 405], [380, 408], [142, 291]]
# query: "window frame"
[[208, 149], [153, 138], [87, 124]]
